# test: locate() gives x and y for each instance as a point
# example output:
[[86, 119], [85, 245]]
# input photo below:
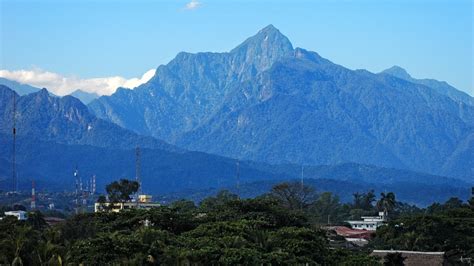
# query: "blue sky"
[[108, 38]]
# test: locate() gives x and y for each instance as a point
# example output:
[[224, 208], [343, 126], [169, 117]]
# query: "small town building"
[[415, 258], [356, 237], [143, 202], [20, 215], [370, 223]]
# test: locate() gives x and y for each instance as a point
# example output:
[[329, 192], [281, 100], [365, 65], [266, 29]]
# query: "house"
[[357, 237], [370, 223], [20, 215], [415, 258]]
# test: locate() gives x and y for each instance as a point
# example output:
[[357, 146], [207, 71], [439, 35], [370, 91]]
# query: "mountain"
[[21, 89], [191, 87], [267, 101], [441, 87], [85, 97], [65, 120], [193, 175], [162, 170], [56, 134]]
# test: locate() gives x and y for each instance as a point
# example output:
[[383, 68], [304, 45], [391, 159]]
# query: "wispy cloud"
[[194, 4], [61, 85]]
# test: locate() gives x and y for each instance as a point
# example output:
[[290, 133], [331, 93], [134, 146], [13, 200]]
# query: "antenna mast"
[[302, 176], [238, 178], [33, 195], [78, 189], [93, 185], [14, 177], [138, 170]]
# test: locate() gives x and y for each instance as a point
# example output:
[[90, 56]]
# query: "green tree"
[[120, 191], [222, 197], [364, 201], [386, 202], [293, 195], [328, 209]]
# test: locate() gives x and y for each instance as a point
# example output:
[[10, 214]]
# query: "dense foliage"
[[280, 228], [441, 227]]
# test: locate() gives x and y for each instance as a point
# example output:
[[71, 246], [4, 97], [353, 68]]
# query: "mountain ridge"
[[275, 103], [65, 120], [442, 87]]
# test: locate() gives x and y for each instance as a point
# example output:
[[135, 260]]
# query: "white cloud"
[[61, 85], [193, 5]]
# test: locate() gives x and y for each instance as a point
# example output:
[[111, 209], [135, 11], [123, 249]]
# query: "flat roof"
[[408, 252], [363, 222]]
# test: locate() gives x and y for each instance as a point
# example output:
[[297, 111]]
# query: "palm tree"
[[387, 202], [48, 252], [19, 239]]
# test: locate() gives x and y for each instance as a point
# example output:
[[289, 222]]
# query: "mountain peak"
[[398, 72], [43, 93], [268, 29], [267, 39], [260, 51]]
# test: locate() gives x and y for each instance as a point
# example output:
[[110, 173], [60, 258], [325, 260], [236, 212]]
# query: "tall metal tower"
[[93, 185], [33, 195], [302, 176], [138, 170], [14, 177], [238, 178], [78, 191]]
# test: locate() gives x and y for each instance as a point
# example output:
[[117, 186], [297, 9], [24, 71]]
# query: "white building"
[[370, 223], [20, 215], [144, 202]]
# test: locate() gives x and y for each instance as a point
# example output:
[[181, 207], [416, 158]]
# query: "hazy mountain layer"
[[85, 97], [21, 89], [189, 174]]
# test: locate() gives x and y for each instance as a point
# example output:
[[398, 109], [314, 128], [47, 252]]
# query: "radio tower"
[[138, 170], [93, 185], [14, 180], [302, 176], [33, 195], [238, 178], [78, 189]]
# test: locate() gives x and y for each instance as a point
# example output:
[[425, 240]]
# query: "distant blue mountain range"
[[270, 106], [56, 134], [267, 101], [85, 97], [21, 89]]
